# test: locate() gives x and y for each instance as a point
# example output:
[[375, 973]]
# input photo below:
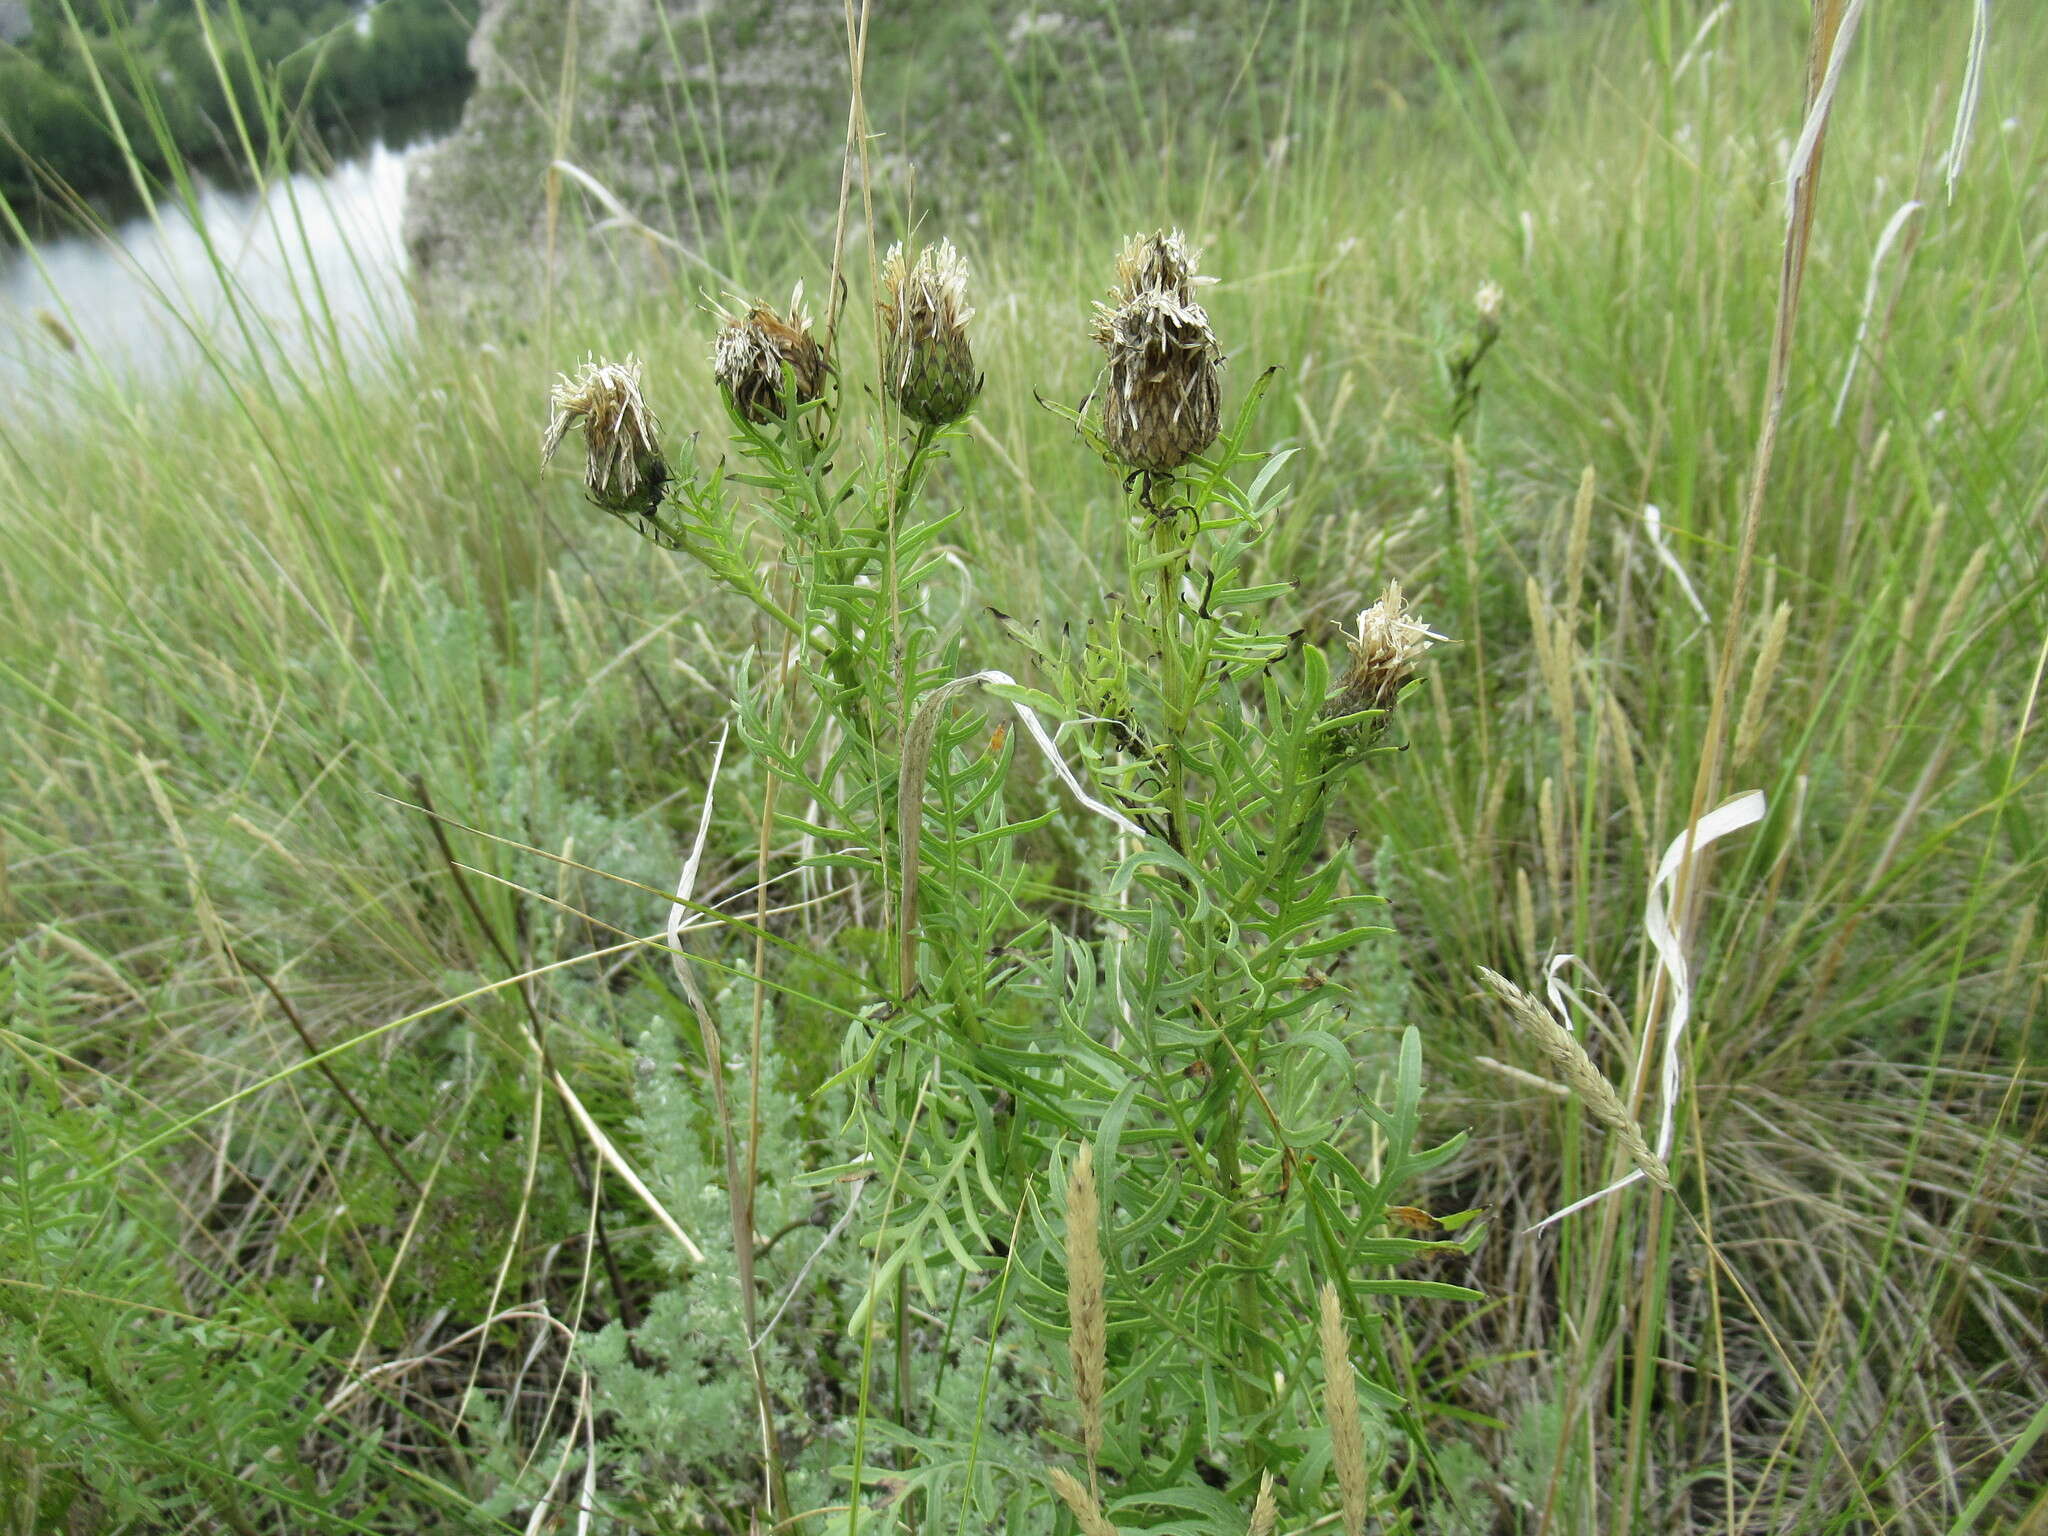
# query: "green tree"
[[44, 124]]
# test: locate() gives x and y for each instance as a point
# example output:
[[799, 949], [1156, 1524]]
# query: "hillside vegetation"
[[186, 83], [375, 1158]]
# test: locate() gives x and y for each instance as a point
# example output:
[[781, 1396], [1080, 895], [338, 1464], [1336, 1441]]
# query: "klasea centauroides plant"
[[1127, 1108]]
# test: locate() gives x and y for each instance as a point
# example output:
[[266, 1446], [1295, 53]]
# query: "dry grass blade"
[[314, 1055], [917, 752], [536, 1026], [622, 217]]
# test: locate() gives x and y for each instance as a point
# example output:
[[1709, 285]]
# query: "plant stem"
[[1172, 679]]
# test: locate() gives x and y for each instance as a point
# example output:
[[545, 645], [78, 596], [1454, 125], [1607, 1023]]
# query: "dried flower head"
[[924, 313], [1163, 260], [758, 354], [1490, 303], [622, 464], [1387, 644], [1161, 402]]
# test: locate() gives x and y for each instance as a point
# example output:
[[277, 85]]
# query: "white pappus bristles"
[[1385, 646], [1489, 303], [622, 466], [929, 365], [1163, 261], [758, 352]]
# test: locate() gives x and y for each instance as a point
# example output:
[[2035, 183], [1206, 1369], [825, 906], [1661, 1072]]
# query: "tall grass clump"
[[881, 975]]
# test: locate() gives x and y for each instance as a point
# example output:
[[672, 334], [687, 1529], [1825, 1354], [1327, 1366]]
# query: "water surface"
[[303, 265]]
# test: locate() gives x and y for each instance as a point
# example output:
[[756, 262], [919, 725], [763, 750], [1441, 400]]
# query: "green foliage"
[[180, 79], [240, 617], [120, 1407], [683, 1433], [1186, 1010]]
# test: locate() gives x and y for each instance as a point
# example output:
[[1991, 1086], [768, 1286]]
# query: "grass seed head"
[[623, 469], [1162, 401], [1087, 1512], [1340, 1408], [924, 314], [1087, 1337], [758, 355], [1265, 1512], [1569, 1059]]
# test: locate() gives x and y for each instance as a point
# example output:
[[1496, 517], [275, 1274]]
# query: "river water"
[[309, 262]]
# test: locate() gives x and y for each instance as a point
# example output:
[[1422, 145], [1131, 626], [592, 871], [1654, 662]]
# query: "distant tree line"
[[177, 72]]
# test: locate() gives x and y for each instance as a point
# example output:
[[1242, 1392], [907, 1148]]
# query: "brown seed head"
[[753, 349], [622, 465], [924, 314], [1387, 644], [1161, 399]]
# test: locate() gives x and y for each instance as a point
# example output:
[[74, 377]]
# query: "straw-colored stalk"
[[1077, 1498], [1340, 1407], [1087, 1338], [1569, 1059]]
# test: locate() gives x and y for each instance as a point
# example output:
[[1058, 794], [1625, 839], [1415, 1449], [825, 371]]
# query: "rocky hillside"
[[702, 116], [651, 99], [709, 118]]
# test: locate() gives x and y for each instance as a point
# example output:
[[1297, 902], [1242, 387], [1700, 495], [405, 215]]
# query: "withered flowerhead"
[[1387, 644], [754, 347], [924, 314], [1489, 304], [1161, 401], [1162, 260], [622, 464]]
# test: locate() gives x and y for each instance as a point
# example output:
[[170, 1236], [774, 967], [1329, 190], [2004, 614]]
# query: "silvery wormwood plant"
[[1180, 1002]]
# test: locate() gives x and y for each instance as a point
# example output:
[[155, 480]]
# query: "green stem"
[[908, 484], [1172, 681]]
